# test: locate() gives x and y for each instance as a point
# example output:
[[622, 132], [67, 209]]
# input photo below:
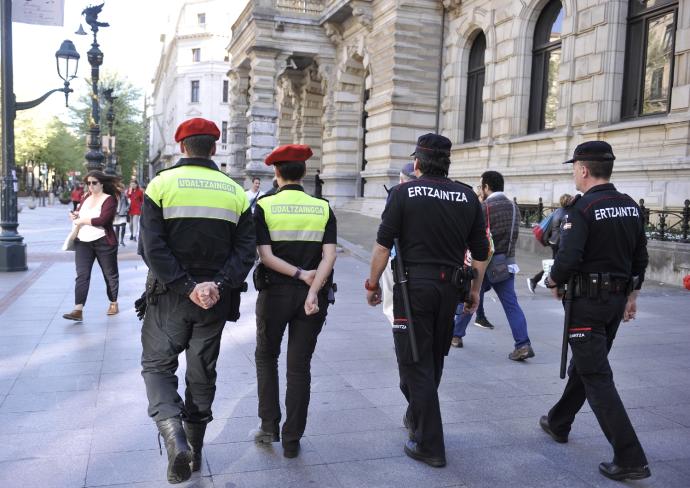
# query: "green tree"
[[62, 151], [29, 139], [128, 127]]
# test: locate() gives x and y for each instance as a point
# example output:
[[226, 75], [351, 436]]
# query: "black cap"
[[592, 151], [433, 143], [408, 170]]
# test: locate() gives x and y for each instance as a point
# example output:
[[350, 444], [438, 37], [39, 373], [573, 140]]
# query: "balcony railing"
[[302, 6], [668, 224]]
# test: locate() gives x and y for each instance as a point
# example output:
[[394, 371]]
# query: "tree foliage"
[[128, 127], [63, 150], [52, 144], [29, 139]]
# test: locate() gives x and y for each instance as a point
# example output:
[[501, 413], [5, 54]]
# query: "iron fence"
[[668, 224]]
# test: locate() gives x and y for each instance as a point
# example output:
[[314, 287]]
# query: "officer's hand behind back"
[[311, 304], [205, 295]]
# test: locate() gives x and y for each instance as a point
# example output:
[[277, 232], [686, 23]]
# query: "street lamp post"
[[94, 156], [111, 167], [12, 246]]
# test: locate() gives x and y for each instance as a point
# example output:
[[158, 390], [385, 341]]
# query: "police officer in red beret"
[[197, 238], [296, 237]]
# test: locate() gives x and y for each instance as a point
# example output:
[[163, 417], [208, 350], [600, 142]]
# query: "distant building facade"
[[191, 79]]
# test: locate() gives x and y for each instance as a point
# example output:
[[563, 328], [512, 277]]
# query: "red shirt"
[[136, 200], [76, 194]]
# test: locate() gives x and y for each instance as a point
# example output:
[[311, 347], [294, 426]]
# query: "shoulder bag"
[[68, 245], [498, 271]]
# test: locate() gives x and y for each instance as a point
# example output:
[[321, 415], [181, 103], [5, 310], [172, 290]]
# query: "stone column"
[[309, 128], [237, 126], [262, 115], [285, 99], [404, 96], [342, 132]]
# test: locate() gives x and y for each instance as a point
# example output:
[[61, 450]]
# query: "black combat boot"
[[179, 454], [195, 437]]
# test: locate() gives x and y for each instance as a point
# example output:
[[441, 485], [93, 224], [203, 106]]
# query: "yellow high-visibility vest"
[[192, 191], [292, 215]]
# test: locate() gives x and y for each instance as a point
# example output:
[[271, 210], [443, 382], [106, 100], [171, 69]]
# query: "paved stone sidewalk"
[[73, 406]]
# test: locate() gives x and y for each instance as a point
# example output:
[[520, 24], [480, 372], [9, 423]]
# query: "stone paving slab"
[[73, 405]]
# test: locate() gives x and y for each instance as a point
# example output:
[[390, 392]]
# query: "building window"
[[474, 107], [224, 132], [195, 91], [649, 58], [201, 19], [546, 58], [196, 55], [226, 85]]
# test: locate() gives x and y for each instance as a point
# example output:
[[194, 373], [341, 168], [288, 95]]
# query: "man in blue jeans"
[[503, 218]]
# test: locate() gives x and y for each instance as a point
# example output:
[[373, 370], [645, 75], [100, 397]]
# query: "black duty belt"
[[429, 272], [281, 279], [600, 285]]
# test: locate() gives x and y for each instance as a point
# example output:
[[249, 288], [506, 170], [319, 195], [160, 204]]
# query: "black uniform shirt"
[[303, 254], [436, 220], [602, 232], [178, 250]]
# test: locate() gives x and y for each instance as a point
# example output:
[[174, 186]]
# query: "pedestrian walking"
[[96, 240], [387, 281], [254, 193], [120, 221], [296, 236], [136, 200], [553, 238], [503, 222], [76, 195], [603, 254], [197, 238], [435, 220], [318, 185]]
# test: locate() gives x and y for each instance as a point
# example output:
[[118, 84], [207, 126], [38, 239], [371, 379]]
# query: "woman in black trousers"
[[96, 240]]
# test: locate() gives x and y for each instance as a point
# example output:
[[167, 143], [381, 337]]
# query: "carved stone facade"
[[360, 80]]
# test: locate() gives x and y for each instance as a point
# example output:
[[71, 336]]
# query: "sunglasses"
[[93, 183]]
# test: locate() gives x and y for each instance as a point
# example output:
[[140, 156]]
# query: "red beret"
[[196, 127], [290, 152]]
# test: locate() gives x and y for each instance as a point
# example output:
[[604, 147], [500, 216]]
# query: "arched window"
[[649, 58], [546, 57], [475, 84]]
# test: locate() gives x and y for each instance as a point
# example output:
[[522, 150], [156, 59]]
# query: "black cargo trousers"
[[592, 329], [433, 305], [278, 307], [171, 326]]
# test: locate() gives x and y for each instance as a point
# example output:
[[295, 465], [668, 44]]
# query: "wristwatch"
[[298, 273], [369, 287]]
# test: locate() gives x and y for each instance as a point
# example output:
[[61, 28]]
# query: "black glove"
[[140, 306]]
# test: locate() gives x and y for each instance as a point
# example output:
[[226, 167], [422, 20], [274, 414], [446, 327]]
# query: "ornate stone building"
[[516, 85], [191, 78]]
